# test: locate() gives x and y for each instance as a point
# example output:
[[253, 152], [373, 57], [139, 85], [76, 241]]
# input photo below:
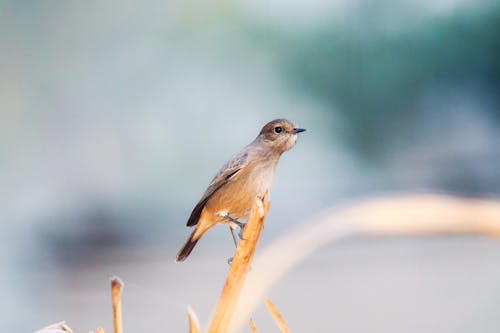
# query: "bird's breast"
[[237, 197]]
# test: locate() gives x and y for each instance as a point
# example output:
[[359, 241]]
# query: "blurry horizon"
[[115, 117]]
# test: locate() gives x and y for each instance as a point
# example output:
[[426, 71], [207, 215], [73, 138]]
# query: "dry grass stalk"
[[116, 300], [60, 327], [398, 215], [194, 324], [98, 330], [276, 316], [253, 327], [239, 268], [63, 328]]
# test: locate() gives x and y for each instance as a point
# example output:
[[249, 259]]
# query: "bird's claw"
[[240, 234]]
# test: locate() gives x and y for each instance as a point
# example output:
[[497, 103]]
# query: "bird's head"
[[279, 135]]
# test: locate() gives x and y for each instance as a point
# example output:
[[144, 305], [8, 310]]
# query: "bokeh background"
[[114, 116]]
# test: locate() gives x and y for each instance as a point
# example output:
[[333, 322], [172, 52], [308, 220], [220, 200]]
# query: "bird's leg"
[[232, 225], [242, 227], [235, 221], [234, 236], [238, 223]]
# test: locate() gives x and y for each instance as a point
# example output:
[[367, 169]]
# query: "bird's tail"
[[187, 247]]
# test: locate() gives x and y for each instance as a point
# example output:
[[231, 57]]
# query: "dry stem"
[[239, 268], [116, 300], [194, 324], [99, 330], [398, 215], [253, 327], [60, 327], [276, 316]]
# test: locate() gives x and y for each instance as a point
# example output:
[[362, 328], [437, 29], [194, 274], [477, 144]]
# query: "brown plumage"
[[248, 174]]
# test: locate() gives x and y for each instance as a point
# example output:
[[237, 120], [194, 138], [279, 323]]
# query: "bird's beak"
[[298, 130]]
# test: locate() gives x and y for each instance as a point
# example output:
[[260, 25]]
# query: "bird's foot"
[[242, 227], [238, 223]]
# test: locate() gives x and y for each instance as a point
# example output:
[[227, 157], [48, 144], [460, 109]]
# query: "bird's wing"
[[229, 170]]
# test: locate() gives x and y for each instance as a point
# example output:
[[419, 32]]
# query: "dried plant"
[[276, 316], [252, 326], [239, 268], [409, 215], [60, 327], [194, 324], [400, 215], [116, 301]]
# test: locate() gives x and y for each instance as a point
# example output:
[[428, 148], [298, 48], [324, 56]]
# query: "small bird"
[[247, 175]]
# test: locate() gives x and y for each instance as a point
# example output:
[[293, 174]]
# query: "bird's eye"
[[278, 129]]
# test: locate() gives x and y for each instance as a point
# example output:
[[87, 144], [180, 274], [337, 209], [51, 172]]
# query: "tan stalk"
[[239, 268], [276, 316], [116, 300]]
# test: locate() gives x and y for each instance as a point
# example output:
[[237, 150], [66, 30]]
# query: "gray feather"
[[231, 168]]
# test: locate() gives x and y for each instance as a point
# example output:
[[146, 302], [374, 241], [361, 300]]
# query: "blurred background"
[[115, 115]]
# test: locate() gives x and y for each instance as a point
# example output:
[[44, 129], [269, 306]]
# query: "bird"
[[247, 175]]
